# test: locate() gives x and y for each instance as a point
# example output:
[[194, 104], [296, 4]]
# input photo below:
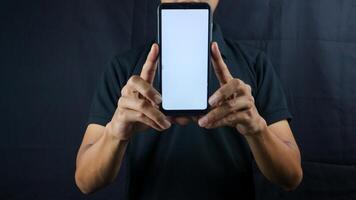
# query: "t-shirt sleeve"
[[270, 97], [108, 91]]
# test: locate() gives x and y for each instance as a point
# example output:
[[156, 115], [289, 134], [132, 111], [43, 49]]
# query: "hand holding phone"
[[137, 107]]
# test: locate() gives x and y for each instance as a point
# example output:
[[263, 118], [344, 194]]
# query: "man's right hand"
[[137, 108]]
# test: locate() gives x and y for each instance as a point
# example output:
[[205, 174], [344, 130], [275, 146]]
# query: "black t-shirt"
[[190, 162]]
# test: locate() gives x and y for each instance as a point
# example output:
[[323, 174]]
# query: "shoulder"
[[253, 55], [253, 61], [248, 52]]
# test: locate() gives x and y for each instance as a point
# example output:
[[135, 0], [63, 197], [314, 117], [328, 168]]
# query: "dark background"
[[52, 54]]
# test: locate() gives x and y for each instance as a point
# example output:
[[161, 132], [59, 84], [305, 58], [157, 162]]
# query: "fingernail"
[[203, 121], [212, 100], [167, 124], [214, 46], [157, 99]]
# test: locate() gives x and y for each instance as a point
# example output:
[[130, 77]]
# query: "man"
[[203, 157]]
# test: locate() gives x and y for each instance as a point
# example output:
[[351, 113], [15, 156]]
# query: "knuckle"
[[131, 79], [250, 105], [118, 111], [249, 113], [245, 90], [225, 121], [248, 87], [230, 104], [134, 79], [212, 117], [140, 115], [146, 90], [220, 94], [246, 117], [232, 118], [142, 104], [157, 118], [119, 102], [160, 119], [252, 100], [123, 91], [236, 81], [121, 113]]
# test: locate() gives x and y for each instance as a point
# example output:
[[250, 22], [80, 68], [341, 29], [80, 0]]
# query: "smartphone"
[[184, 38]]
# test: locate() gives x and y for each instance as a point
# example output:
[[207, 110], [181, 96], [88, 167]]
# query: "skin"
[[101, 152]]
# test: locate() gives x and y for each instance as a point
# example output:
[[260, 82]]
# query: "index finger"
[[149, 68], [137, 83], [226, 91], [220, 68]]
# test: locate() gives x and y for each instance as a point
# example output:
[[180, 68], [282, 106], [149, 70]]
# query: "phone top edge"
[[190, 5]]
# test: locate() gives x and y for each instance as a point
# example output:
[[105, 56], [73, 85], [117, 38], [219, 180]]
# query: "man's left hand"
[[232, 104]]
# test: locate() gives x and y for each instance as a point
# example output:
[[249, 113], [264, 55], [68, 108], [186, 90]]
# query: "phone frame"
[[159, 35]]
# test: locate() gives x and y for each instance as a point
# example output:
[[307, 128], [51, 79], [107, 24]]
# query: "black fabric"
[[52, 54], [191, 162]]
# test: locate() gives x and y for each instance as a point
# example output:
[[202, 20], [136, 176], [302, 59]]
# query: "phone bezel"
[[161, 7]]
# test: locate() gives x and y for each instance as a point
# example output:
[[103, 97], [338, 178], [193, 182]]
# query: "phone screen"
[[184, 58]]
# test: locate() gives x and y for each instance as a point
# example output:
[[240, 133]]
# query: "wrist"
[[258, 129], [116, 132]]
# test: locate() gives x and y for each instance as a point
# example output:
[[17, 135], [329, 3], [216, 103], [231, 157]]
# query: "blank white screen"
[[184, 44]]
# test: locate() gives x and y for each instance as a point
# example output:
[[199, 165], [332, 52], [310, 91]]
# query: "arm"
[[274, 148], [277, 154], [99, 158], [102, 149]]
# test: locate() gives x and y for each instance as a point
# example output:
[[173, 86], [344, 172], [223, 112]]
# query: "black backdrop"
[[53, 52]]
